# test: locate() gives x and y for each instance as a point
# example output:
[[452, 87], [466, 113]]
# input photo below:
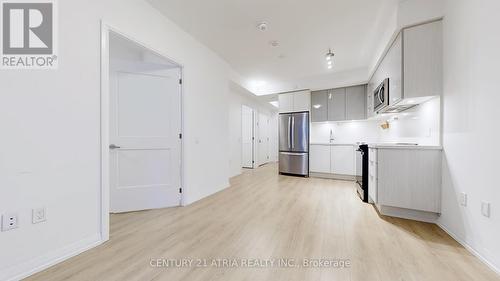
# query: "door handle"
[[292, 153], [114, 146], [289, 132], [293, 132]]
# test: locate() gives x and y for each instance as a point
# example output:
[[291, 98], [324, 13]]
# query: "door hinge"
[[180, 81], [180, 190], [180, 136]]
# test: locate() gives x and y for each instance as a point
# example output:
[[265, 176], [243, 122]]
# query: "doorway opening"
[[141, 116], [247, 137], [264, 127]]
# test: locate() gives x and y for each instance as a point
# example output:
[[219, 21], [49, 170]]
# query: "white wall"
[[470, 125], [421, 124], [240, 96], [399, 14], [50, 122], [416, 11]]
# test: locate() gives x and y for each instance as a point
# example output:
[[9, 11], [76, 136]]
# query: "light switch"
[[39, 215], [463, 199], [485, 209]]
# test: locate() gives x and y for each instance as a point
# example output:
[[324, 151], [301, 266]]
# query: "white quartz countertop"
[[334, 143], [404, 146]]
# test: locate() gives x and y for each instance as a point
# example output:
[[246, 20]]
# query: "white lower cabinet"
[[372, 175], [332, 159], [319, 158], [342, 160], [406, 182]]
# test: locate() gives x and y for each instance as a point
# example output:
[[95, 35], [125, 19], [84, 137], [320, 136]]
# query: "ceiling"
[[305, 30]]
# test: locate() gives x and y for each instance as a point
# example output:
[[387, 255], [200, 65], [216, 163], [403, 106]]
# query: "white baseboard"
[[407, 213], [26, 269], [470, 249], [332, 176], [188, 201]]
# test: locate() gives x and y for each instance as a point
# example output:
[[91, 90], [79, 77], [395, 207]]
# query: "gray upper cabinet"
[[369, 100], [423, 54], [414, 65], [356, 103], [319, 102], [393, 69], [337, 104]]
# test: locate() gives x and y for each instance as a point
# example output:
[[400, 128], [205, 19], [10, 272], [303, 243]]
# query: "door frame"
[[253, 135], [106, 29], [267, 138]]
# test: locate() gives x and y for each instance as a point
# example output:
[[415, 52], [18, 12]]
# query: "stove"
[[362, 172]]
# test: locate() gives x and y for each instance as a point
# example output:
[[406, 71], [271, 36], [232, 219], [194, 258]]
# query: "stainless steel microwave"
[[381, 96]]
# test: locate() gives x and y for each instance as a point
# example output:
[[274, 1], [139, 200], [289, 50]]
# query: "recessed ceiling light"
[[262, 26]]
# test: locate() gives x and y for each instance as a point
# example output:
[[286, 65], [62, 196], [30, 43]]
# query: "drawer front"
[[372, 154], [372, 166], [294, 163], [372, 188], [372, 180]]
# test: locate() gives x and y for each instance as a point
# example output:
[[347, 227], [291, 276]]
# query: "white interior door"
[[247, 137], [145, 123], [263, 126]]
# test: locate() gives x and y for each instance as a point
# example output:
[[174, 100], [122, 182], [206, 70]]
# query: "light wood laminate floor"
[[262, 216]]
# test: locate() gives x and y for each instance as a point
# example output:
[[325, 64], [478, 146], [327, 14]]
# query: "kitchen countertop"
[[404, 146], [334, 143], [383, 145]]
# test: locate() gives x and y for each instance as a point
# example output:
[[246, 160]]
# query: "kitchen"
[[385, 135]]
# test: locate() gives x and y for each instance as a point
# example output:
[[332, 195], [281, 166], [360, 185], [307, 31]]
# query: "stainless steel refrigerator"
[[294, 143]]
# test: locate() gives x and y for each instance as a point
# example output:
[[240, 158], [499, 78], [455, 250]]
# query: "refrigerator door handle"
[[293, 132], [289, 132], [293, 153]]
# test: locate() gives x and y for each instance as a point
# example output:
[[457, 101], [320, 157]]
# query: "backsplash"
[[421, 124]]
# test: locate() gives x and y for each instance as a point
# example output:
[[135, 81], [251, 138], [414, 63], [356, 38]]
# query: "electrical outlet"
[[463, 199], [39, 215], [485, 209], [9, 221]]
